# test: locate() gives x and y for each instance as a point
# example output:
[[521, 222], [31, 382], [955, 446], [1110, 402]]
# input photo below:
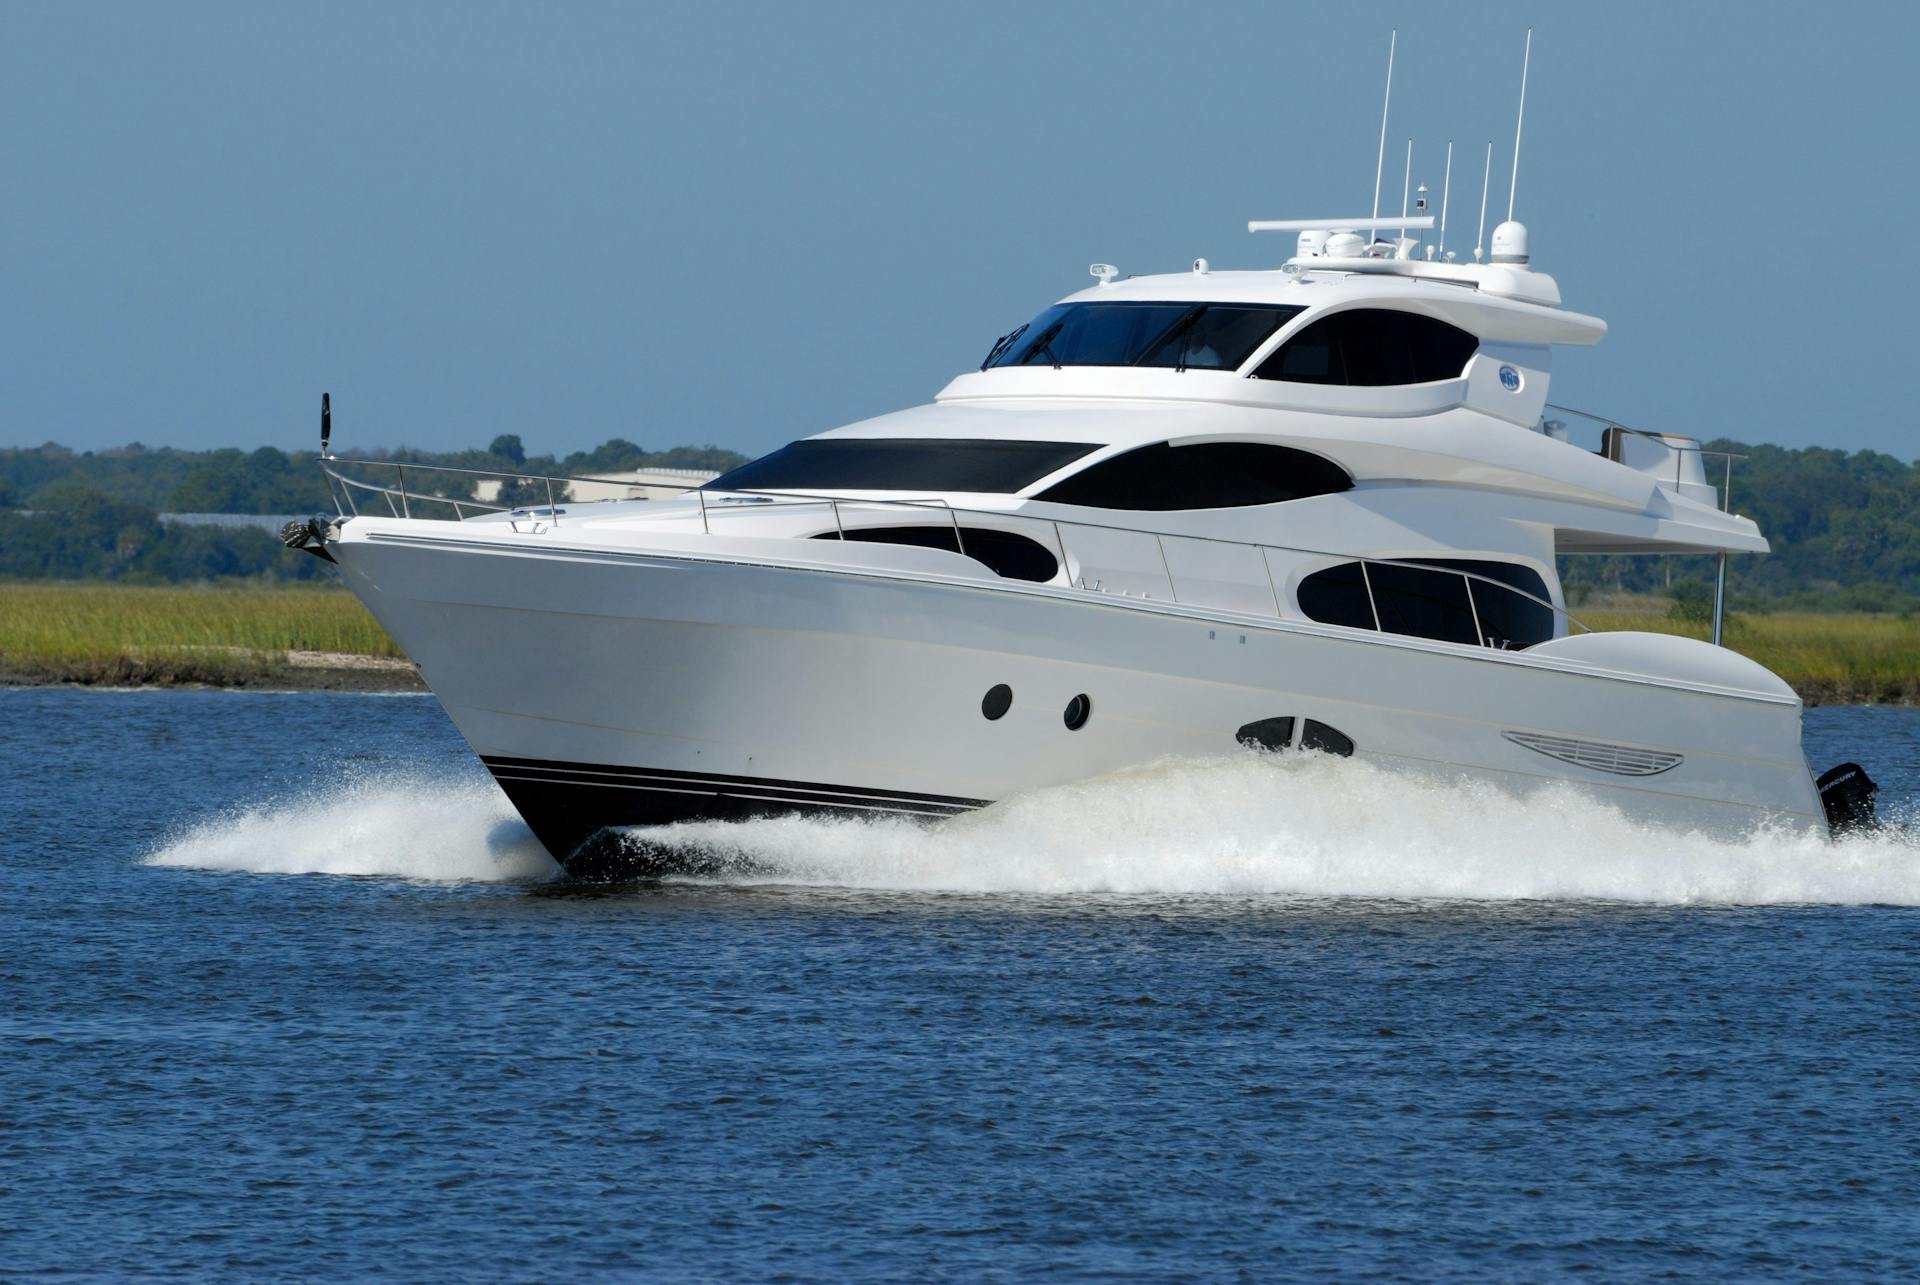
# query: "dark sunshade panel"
[[921, 464], [1372, 347], [1206, 475], [1005, 553]]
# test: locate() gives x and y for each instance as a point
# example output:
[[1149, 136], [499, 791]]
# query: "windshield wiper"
[[1044, 344], [1179, 330], [1004, 342]]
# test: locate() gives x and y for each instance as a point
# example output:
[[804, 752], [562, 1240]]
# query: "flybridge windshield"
[[1184, 336], [923, 464]]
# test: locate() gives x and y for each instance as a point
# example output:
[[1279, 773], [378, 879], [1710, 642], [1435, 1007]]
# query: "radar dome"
[[1345, 245], [1510, 242]]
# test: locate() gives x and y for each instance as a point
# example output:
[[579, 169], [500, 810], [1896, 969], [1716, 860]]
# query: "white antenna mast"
[[1406, 190], [1380, 162], [1480, 237], [1525, 62], [1446, 189]]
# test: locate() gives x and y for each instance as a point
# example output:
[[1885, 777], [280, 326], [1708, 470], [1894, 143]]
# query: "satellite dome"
[[1510, 242], [1345, 245]]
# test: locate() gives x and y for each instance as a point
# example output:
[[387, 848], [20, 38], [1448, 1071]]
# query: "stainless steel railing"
[[735, 501], [1681, 448]]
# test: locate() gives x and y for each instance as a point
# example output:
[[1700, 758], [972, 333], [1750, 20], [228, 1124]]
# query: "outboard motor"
[[1847, 794]]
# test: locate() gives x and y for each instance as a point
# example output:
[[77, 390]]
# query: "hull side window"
[[1337, 596], [1427, 602], [1507, 619], [1423, 604]]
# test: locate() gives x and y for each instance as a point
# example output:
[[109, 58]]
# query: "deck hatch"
[[1601, 756]]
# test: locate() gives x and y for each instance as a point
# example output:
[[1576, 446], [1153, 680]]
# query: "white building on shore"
[[635, 484]]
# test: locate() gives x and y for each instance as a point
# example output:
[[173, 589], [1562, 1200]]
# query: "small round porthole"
[[997, 701], [1079, 709]]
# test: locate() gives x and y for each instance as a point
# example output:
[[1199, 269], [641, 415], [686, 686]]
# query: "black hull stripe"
[[603, 775], [743, 792]]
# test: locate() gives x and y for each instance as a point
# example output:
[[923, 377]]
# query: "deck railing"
[[399, 502], [1680, 447]]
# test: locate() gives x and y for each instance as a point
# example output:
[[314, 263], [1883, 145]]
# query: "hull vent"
[[1621, 760]]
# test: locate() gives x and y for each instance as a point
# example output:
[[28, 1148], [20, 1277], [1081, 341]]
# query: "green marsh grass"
[[1829, 659], [94, 633], [98, 633]]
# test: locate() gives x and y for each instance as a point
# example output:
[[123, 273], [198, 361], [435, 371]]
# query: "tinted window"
[[1371, 347], [1014, 557], [1507, 619], [903, 464], [1422, 604], [1426, 603], [1200, 336], [1207, 475], [1337, 596], [1216, 337]]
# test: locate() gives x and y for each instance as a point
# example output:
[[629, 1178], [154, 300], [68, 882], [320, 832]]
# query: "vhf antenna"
[[1480, 237], [1446, 188], [1380, 161], [1526, 61], [1406, 189]]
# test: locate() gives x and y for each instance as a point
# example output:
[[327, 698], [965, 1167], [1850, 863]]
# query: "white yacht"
[[1308, 509]]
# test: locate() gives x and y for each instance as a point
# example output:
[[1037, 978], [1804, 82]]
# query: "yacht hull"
[[610, 689]]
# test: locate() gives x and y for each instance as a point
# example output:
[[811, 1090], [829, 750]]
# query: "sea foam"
[[407, 827], [1238, 826]]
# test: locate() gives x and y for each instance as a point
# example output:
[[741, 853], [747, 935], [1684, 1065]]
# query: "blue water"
[[1233, 1019]]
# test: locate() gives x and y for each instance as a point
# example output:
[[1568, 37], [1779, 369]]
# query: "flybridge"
[[1322, 249], [1336, 245]]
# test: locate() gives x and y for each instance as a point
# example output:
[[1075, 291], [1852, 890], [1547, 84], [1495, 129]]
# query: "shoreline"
[[293, 671], [345, 672]]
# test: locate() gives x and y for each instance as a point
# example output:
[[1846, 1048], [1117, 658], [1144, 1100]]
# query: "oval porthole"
[[997, 701], [1079, 710]]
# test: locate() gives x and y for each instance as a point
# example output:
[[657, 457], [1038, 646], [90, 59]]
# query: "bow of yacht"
[[1308, 509]]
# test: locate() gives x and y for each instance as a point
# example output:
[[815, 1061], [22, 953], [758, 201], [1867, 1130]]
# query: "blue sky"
[[740, 224]]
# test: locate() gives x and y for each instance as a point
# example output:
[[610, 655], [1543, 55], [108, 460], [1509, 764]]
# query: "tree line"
[[97, 515], [268, 480], [1845, 526]]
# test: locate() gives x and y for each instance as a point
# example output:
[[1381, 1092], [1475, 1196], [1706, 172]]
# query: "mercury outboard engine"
[[1847, 793]]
